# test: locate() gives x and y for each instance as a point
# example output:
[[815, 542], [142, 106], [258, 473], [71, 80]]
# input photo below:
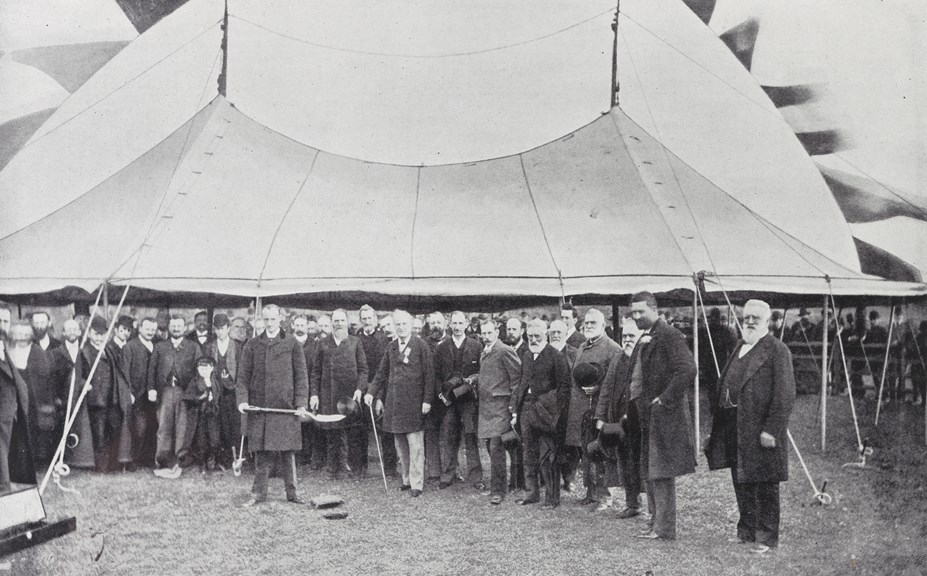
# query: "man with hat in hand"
[[407, 374], [667, 445], [749, 426], [225, 353], [540, 400], [338, 371], [500, 372], [272, 374]]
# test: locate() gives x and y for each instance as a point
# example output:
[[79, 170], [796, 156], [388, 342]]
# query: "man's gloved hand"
[[599, 424], [152, 395], [426, 407], [314, 403], [379, 407], [514, 420], [243, 407], [357, 396], [368, 399]]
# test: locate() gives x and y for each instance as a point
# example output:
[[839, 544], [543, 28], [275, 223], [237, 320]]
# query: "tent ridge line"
[[537, 213], [418, 185], [283, 218]]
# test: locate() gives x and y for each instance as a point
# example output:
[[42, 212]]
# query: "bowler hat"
[[98, 325], [588, 374], [205, 361], [220, 320]]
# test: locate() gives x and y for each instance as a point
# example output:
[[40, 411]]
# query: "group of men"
[[543, 402]]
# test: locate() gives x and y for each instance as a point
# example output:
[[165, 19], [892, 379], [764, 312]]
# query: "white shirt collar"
[[72, 348], [147, 344], [176, 341], [458, 342], [45, 342], [301, 339], [274, 335], [222, 345], [558, 346]]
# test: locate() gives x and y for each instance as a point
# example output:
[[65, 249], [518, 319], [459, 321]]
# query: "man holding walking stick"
[[273, 375]]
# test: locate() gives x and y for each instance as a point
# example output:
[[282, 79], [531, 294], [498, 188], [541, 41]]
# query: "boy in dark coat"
[[202, 397]]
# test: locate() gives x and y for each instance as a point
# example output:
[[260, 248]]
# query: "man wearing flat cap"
[[225, 353], [749, 427]]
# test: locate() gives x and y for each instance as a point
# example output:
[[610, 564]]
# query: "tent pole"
[[613, 89], [698, 442], [824, 372], [888, 347]]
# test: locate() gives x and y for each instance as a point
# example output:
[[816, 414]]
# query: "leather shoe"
[[759, 549], [405, 487], [416, 493], [479, 486], [444, 485], [629, 513], [586, 501], [649, 535], [646, 530], [549, 506], [252, 502], [527, 501], [495, 500], [295, 500]]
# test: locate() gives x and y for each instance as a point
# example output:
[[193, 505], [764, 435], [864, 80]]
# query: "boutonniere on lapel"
[[645, 339]]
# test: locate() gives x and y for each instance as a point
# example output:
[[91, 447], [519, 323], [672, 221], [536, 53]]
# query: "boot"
[[609, 500], [533, 495]]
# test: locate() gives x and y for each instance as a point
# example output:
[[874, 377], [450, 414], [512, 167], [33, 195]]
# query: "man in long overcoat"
[[272, 374], [338, 371], [407, 374], [137, 355], [667, 444], [16, 464], [500, 373], [599, 349], [749, 426], [225, 352]]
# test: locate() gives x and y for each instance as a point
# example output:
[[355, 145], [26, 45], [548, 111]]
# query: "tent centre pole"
[[698, 442], [824, 374]]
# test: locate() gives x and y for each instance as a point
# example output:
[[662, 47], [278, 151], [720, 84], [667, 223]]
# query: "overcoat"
[[408, 378], [79, 455], [500, 373], [446, 381], [767, 393], [602, 352], [668, 370], [136, 361], [546, 377], [337, 371], [14, 424], [616, 390], [272, 374]]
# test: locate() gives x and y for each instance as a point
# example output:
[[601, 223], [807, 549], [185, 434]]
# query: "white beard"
[[19, 356], [753, 336], [536, 348]]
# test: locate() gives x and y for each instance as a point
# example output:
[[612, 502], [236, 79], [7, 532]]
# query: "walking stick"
[[376, 438], [240, 459], [820, 496]]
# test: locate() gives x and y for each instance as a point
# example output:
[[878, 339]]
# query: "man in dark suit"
[[171, 369], [339, 369], [273, 374], [200, 333], [40, 325], [568, 316], [137, 355], [407, 374], [619, 403], [122, 399], [457, 360], [35, 369], [541, 400], [313, 452], [500, 372], [16, 463], [226, 354], [749, 426], [374, 342], [667, 445]]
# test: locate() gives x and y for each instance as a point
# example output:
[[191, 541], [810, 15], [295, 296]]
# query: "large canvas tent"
[[449, 150]]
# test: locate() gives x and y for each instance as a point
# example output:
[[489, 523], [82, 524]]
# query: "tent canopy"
[[444, 161]]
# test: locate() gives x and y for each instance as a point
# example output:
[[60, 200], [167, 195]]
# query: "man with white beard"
[[15, 458], [35, 368], [749, 426]]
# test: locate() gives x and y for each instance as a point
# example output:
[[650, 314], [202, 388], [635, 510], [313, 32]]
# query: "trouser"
[[411, 449], [315, 446], [390, 456], [205, 444], [6, 435], [569, 463], [497, 469], [229, 422], [359, 444], [540, 451], [516, 465], [344, 447], [629, 456], [144, 432], [453, 428], [173, 441], [286, 467], [919, 381], [433, 452], [661, 501]]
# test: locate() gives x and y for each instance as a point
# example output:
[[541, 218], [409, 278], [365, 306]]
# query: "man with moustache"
[[500, 373], [667, 446], [225, 353], [16, 464], [137, 355], [619, 403], [35, 368], [200, 333], [571, 451], [437, 333], [515, 335], [65, 360], [750, 425], [122, 399], [171, 369], [40, 324], [405, 382], [457, 360], [313, 452], [540, 401], [599, 349], [339, 370], [273, 374], [325, 326], [568, 316], [374, 342]]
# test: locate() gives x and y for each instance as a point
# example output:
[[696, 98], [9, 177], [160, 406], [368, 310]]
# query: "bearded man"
[[749, 431], [16, 463], [40, 325], [35, 368]]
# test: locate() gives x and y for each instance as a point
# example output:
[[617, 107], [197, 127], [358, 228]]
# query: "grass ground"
[[138, 524]]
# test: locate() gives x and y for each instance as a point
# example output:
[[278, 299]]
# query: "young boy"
[[202, 396]]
